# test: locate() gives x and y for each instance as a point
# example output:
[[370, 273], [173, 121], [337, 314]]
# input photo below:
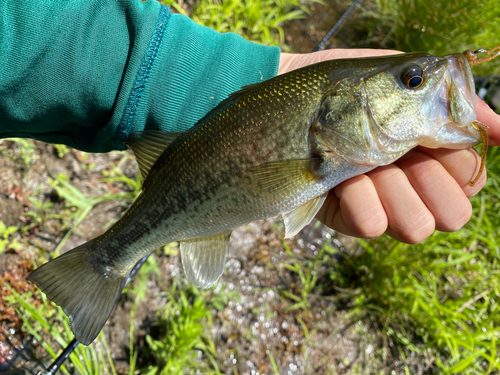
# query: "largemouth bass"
[[276, 147]]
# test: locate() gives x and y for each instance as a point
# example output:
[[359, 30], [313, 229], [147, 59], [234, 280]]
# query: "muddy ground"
[[248, 328], [255, 324]]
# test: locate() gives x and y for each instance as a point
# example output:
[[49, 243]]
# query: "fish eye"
[[412, 77]]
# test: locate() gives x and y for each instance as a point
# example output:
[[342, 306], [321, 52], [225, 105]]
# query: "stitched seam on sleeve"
[[143, 75]]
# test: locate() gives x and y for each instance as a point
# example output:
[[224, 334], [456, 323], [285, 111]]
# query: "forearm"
[[87, 73]]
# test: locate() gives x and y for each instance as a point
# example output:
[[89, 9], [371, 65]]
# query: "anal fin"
[[299, 217], [204, 259]]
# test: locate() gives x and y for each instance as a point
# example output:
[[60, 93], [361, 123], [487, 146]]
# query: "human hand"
[[427, 189]]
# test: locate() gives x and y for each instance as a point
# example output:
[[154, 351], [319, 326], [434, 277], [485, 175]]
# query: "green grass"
[[24, 152], [257, 20], [43, 319], [438, 27], [182, 340], [307, 270], [7, 239], [183, 324]]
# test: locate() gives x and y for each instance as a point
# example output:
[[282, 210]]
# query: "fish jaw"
[[453, 108], [463, 97]]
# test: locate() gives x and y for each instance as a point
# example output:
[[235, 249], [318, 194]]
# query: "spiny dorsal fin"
[[244, 90], [148, 145], [283, 177], [204, 259], [298, 218]]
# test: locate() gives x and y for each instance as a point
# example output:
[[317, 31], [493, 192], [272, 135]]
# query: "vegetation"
[[438, 27], [246, 17], [40, 317], [428, 308], [441, 297]]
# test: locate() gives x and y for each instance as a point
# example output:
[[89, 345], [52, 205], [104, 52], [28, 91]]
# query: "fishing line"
[[321, 46]]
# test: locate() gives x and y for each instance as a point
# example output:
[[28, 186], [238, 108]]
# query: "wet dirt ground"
[[320, 339]]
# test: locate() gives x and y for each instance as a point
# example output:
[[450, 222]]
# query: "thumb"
[[488, 117], [292, 61]]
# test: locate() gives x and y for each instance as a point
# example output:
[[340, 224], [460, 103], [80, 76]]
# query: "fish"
[[273, 148]]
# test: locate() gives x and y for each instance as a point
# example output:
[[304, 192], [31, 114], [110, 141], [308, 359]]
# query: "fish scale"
[[276, 147]]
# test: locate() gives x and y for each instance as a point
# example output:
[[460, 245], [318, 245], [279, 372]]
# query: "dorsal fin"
[[148, 145], [243, 90]]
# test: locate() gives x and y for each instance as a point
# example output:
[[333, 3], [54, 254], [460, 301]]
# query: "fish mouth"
[[463, 80], [453, 104]]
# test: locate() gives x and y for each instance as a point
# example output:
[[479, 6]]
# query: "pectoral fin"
[[283, 177], [204, 259], [148, 145], [298, 218]]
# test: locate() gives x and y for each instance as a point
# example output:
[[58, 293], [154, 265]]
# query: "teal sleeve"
[[87, 73]]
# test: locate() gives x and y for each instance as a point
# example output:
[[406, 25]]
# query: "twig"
[[470, 302]]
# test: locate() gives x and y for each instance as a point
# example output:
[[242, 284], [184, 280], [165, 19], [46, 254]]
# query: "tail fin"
[[86, 292]]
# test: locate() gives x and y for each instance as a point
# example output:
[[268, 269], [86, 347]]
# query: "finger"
[[438, 190], [409, 219], [462, 165], [487, 116], [353, 208]]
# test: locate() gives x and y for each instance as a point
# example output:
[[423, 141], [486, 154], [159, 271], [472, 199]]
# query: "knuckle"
[[372, 228], [426, 171], [418, 230], [371, 223], [456, 221]]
